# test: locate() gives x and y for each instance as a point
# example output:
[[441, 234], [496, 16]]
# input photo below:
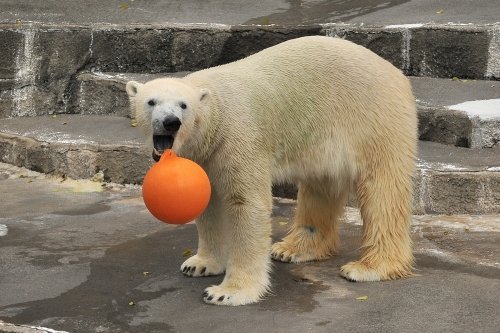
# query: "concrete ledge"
[[445, 126], [76, 146], [37, 72], [454, 179], [462, 192], [441, 118], [104, 93], [449, 180]]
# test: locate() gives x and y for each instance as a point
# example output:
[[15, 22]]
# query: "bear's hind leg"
[[313, 235], [385, 202]]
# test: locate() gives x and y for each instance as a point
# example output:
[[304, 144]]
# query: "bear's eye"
[[151, 102], [183, 105]]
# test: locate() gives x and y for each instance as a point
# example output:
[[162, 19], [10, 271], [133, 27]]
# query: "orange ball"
[[176, 190]]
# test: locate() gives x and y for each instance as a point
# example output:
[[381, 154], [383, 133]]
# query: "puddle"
[[292, 290], [114, 281], [86, 210]]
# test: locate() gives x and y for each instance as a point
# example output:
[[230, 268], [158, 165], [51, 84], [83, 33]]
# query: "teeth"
[[157, 152]]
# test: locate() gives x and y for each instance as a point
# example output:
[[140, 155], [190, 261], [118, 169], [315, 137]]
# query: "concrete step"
[[104, 93], [449, 179], [445, 112], [464, 113], [34, 81], [76, 146]]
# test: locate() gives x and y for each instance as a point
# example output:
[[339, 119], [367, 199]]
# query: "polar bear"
[[322, 112]]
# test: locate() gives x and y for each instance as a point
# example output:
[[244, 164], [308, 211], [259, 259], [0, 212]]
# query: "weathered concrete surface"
[[445, 126], [41, 62], [76, 146], [454, 180], [33, 81], [46, 43], [449, 179], [38, 72], [438, 121], [281, 12], [430, 50], [75, 254], [104, 93], [442, 53], [445, 92]]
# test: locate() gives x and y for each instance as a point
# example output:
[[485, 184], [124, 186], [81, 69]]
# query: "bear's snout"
[[171, 124], [164, 133]]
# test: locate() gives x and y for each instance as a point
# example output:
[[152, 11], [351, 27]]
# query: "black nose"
[[172, 124]]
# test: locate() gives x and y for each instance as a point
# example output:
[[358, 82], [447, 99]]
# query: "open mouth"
[[160, 144]]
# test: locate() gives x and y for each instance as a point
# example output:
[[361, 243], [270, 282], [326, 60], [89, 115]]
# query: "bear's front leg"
[[247, 271], [210, 259]]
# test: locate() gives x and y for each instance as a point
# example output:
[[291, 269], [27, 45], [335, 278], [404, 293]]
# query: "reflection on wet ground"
[[315, 12]]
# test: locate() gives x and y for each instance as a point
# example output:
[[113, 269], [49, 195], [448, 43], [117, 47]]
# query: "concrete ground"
[[77, 256], [80, 256], [281, 12]]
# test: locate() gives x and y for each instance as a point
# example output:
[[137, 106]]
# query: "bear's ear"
[[204, 94], [132, 87]]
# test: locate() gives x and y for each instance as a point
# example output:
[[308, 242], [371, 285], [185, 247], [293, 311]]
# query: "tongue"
[[162, 142]]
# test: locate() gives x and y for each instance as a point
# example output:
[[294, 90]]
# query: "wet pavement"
[[280, 12], [81, 256]]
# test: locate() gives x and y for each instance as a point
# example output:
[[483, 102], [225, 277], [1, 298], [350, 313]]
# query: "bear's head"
[[169, 111]]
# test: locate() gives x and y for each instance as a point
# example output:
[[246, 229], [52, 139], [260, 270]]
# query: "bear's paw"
[[359, 271], [220, 295], [199, 266], [284, 252]]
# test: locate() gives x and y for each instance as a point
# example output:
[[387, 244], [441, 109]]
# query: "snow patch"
[[108, 76], [440, 166], [457, 223], [3, 230], [450, 167], [497, 169], [44, 329], [22, 328], [59, 137], [459, 24], [489, 264], [484, 109], [441, 255], [404, 26]]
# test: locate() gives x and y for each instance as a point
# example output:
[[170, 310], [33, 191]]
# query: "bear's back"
[[310, 90]]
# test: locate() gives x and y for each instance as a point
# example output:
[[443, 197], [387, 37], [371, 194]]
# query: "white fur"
[[322, 112]]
